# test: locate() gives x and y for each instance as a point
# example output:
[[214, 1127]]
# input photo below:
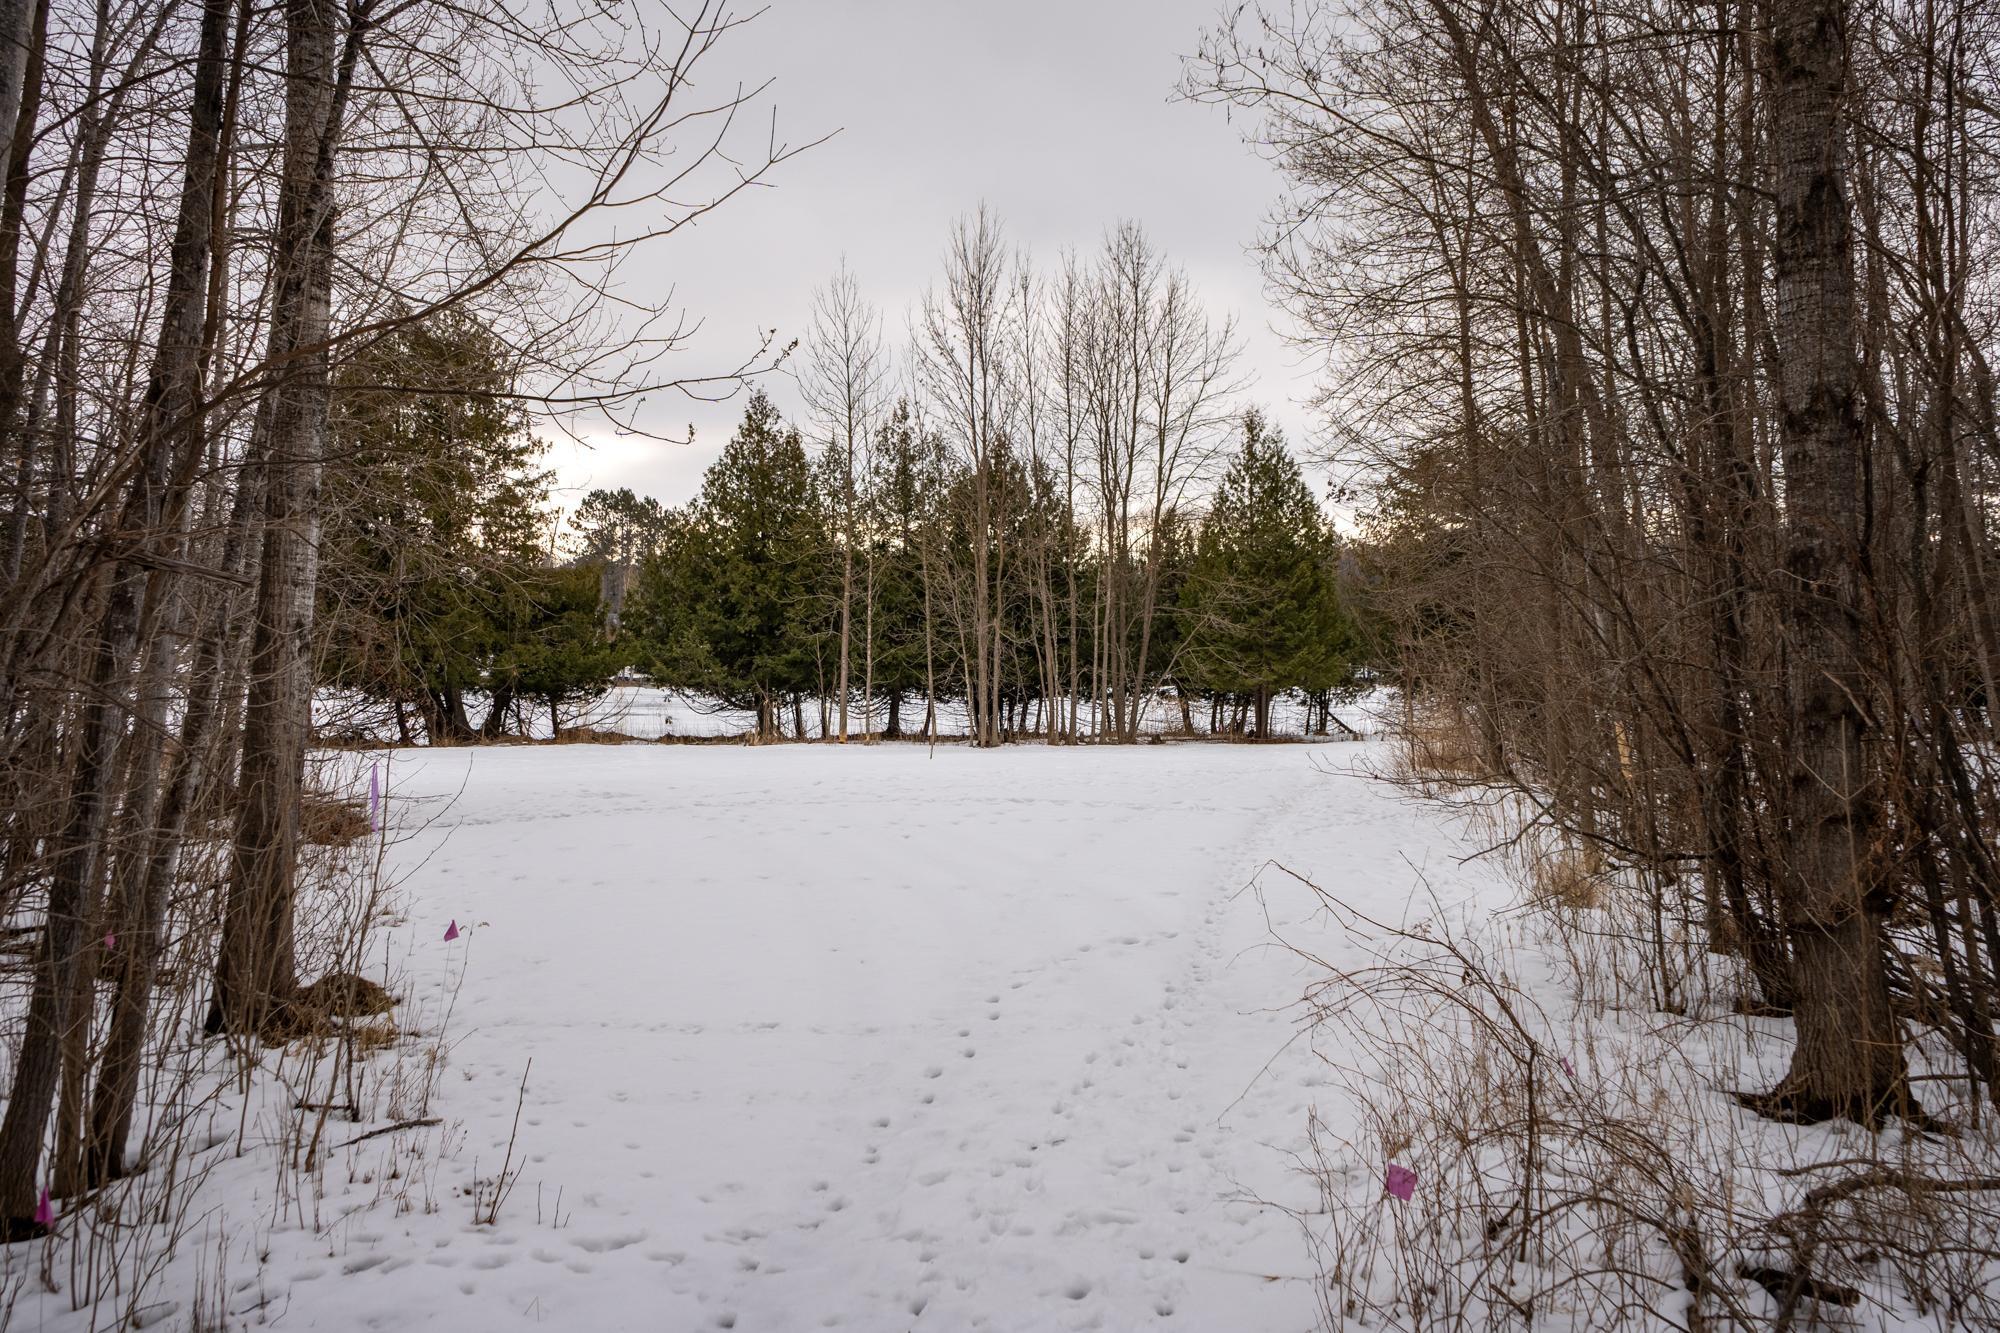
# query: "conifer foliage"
[[1019, 533], [728, 605], [1261, 604], [436, 586]]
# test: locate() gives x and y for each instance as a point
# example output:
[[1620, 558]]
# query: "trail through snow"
[[870, 1038]]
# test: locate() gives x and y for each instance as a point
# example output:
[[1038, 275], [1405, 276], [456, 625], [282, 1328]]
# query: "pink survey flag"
[[1402, 1182], [45, 1213], [1568, 1068], [451, 931], [374, 794], [110, 940]]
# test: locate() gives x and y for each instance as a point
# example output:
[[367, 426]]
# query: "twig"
[[389, 1129]]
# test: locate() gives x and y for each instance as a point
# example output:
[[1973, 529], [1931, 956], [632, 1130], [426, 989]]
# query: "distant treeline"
[[1063, 514], [739, 594]]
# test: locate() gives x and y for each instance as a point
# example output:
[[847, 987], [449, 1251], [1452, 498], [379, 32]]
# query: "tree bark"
[[255, 973], [62, 996], [1849, 1058]]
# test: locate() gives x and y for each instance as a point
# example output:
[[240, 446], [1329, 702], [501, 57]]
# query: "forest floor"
[[876, 1038]]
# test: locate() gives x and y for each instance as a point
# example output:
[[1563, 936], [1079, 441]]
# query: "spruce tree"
[[730, 605], [434, 519], [1261, 603]]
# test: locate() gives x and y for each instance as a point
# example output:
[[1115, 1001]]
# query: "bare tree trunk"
[[255, 973], [59, 1006], [1849, 1058], [867, 650]]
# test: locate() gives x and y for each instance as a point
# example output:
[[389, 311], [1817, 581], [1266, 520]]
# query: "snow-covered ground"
[[873, 1038]]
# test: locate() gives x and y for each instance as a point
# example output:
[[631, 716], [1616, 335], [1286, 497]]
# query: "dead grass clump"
[[1567, 879], [369, 1038], [326, 821], [346, 995], [296, 1021], [591, 736], [1441, 743]]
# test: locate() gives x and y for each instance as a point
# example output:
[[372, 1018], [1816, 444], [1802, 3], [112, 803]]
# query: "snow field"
[[873, 1038], [878, 1038]]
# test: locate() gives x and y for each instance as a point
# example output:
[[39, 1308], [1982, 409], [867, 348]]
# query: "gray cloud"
[[1058, 116]]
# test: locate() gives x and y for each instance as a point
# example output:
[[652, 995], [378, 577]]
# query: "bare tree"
[[842, 380]]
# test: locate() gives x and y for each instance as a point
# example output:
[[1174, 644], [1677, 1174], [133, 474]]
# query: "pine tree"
[[1261, 605], [434, 522], [730, 606], [615, 532]]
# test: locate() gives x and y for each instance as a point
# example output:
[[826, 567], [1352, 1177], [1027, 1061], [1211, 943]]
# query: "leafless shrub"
[[1589, 1168]]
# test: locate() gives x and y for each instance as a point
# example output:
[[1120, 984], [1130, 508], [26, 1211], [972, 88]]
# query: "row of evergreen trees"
[[739, 594], [446, 596]]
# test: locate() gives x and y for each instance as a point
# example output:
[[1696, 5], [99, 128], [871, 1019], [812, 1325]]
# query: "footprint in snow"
[[608, 1244]]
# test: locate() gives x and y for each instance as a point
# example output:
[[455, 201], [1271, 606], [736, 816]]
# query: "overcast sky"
[[1058, 114]]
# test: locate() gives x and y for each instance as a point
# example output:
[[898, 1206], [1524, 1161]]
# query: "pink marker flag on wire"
[[451, 931], [375, 795], [110, 940], [45, 1213], [1402, 1182]]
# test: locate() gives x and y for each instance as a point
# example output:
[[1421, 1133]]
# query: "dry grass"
[[347, 995], [592, 736], [1439, 744], [327, 821], [1586, 1169], [1566, 879]]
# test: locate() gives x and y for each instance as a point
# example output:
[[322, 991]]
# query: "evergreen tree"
[[1261, 602], [434, 512], [434, 585], [730, 605], [614, 532], [557, 649]]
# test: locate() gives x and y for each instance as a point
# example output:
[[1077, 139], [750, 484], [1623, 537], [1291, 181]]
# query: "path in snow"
[[869, 1038]]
